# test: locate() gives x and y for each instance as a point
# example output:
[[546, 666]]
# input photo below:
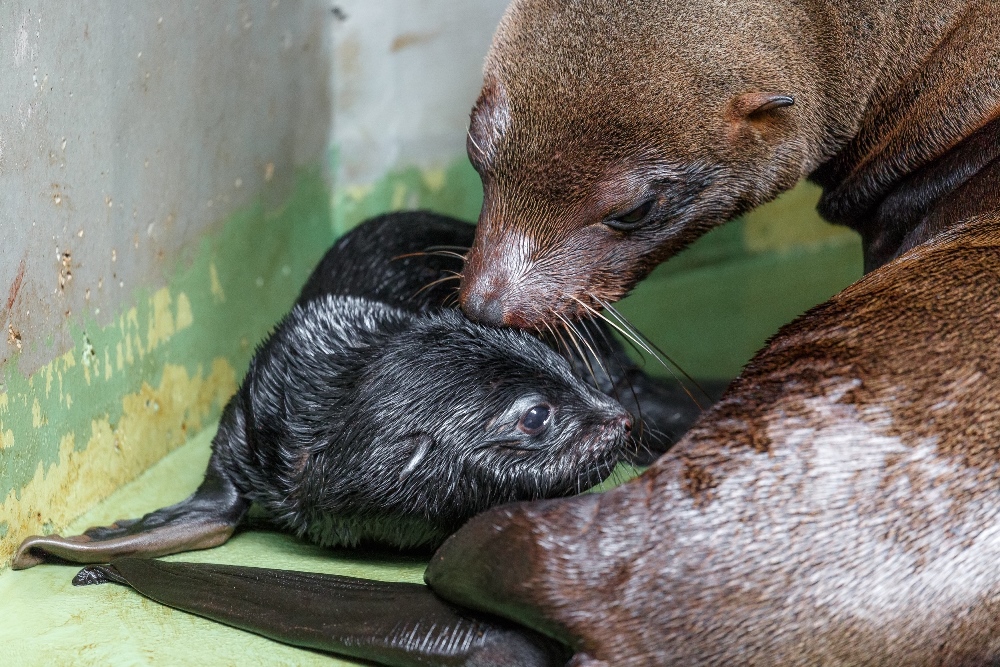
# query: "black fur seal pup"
[[361, 421]]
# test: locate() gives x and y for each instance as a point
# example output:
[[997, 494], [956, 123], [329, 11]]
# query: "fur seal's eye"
[[535, 420], [632, 219]]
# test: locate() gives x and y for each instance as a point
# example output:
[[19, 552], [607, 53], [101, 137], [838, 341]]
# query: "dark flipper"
[[666, 408], [206, 519], [388, 623]]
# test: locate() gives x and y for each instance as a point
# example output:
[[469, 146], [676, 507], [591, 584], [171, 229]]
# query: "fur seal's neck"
[[929, 86]]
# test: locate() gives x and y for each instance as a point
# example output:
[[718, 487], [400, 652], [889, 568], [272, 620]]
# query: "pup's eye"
[[632, 219], [535, 420]]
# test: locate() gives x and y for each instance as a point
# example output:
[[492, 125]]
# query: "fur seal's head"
[[610, 134], [418, 422]]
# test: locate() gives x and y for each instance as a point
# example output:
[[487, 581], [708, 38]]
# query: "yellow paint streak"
[[107, 364], [132, 338], [434, 179], [120, 361], [129, 358], [161, 319], [37, 418], [154, 421], [3, 403], [6, 438], [184, 316], [398, 196], [217, 293], [357, 192]]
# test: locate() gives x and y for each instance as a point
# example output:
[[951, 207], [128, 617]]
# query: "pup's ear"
[[419, 445], [757, 105]]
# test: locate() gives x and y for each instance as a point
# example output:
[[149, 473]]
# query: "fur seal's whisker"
[[456, 248], [631, 388], [628, 339], [642, 343], [468, 133], [433, 283], [564, 348], [557, 342], [429, 253], [657, 348], [572, 334], [587, 339], [621, 368]]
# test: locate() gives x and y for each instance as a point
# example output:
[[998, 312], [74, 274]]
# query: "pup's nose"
[[626, 422]]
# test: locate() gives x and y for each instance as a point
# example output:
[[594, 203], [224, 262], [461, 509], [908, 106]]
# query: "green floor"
[[47, 621]]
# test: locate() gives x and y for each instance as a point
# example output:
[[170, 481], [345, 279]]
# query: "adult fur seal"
[[361, 421], [611, 134], [837, 507]]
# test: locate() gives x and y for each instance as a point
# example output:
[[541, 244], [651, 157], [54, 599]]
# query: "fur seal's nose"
[[483, 308]]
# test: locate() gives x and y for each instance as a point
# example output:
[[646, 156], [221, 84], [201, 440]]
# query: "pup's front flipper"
[[206, 519], [387, 623]]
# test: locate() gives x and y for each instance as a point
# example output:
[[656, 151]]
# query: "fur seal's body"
[[361, 421]]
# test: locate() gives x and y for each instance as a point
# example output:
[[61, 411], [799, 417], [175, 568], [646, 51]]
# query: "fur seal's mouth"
[[518, 450]]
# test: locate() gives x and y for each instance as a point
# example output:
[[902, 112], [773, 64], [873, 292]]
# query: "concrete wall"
[[127, 130]]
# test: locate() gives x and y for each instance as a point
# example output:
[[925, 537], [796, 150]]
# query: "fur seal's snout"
[[483, 306]]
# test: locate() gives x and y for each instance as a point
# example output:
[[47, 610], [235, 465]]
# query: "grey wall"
[[127, 129], [407, 73]]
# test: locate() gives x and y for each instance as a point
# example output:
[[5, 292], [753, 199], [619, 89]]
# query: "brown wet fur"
[[592, 107], [838, 506]]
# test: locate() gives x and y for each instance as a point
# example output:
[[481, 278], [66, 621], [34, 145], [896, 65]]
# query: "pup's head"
[[472, 416], [403, 426], [611, 134]]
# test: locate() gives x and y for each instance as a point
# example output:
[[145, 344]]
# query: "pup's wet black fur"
[[372, 416], [409, 259]]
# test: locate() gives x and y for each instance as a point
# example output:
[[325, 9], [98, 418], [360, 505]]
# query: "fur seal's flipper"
[[206, 519], [387, 623]]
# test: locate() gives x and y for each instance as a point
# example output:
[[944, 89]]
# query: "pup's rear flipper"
[[206, 519], [387, 623]]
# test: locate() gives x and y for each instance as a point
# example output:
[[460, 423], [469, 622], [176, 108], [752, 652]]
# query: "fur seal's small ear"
[[421, 444], [748, 105]]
